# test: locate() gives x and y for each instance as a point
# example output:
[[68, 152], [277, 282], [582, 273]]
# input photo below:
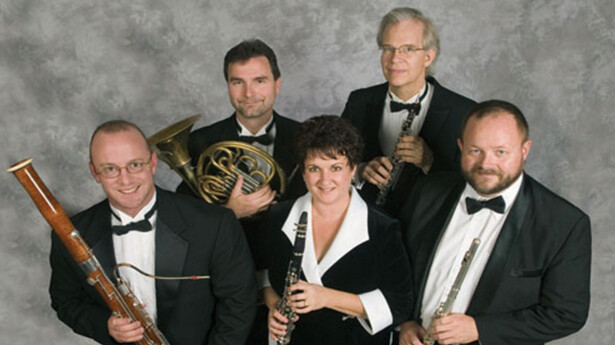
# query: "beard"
[[471, 176]]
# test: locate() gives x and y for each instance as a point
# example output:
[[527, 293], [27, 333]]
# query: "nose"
[[396, 56], [487, 160], [249, 92], [325, 176], [124, 176]]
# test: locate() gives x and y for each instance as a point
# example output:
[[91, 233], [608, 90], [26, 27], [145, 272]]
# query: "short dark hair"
[[331, 136], [248, 49], [115, 126], [490, 107]]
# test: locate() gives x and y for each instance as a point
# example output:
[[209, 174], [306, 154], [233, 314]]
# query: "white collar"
[[509, 194], [246, 132], [352, 233], [393, 97]]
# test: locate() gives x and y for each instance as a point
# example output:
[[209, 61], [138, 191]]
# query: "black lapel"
[[282, 146], [373, 118], [100, 240], [229, 130], [171, 250], [437, 113], [430, 238], [492, 275]]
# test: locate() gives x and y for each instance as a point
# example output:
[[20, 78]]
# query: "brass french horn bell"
[[218, 166]]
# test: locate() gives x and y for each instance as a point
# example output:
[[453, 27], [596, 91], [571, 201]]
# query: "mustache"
[[486, 171], [253, 99]]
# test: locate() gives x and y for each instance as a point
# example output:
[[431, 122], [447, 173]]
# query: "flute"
[[446, 305]]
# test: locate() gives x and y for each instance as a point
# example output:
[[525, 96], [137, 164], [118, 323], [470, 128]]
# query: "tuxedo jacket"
[[357, 265], [283, 151], [440, 131], [535, 286], [192, 238]]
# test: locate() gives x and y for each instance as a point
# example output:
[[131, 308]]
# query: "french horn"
[[218, 167]]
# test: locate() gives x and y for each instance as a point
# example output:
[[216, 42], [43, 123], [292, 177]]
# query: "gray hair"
[[431, 40]]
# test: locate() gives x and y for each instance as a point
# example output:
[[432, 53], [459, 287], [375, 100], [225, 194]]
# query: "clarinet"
[[292, 276], [120, 299], [398, 163], [446, 305]]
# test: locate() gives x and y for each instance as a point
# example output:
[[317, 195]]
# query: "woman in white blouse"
[[355, 283]]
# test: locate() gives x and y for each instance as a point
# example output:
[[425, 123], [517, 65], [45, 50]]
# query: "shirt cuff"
[[357, 181], [378, 312], [262, 279]]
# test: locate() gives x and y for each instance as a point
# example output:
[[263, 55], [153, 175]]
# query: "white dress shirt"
[[391, 123], [455, 242], [352, 233], [139, 249], [246, 132]]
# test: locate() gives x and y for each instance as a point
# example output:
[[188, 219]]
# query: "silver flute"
[[446, 305]]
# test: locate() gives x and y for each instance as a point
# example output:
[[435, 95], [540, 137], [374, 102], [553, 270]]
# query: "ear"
[[154, 162], [525, 148], [93, 172], [278, 83], [460, 144], [430, 56], [354, 170]]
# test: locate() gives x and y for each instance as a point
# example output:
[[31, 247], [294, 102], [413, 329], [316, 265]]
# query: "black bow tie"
[[264, 139], [496, 204], [413, 108], [143, 225]]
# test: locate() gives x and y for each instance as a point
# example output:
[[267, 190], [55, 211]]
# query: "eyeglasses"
[[405, 50], [112, 171]]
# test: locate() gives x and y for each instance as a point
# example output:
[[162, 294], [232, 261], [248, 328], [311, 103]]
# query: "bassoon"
[[120, 299]]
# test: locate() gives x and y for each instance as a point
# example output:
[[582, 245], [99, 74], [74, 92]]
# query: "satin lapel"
[[229, 130], [171, 249], [373, 117], [282, 148], [492, 275], [100, 240], [437, 113], [430, 238]]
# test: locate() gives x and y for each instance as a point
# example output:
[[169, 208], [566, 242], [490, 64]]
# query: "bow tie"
[[264, 139], [413, 108], [496, 204], [143, 225]]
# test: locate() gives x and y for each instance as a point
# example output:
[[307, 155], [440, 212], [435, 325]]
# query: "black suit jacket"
[[535, 286], [440, 131], [192, 238], [374, 264], [283, 153]]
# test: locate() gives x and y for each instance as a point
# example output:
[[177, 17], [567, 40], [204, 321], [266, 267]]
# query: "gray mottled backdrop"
[[68, 65]]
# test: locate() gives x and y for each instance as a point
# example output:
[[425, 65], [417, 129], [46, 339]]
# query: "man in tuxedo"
[[529, 280], [253, 78], [163, 234], [410, 45]]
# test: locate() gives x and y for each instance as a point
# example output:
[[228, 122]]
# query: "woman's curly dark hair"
[[331, 136]]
